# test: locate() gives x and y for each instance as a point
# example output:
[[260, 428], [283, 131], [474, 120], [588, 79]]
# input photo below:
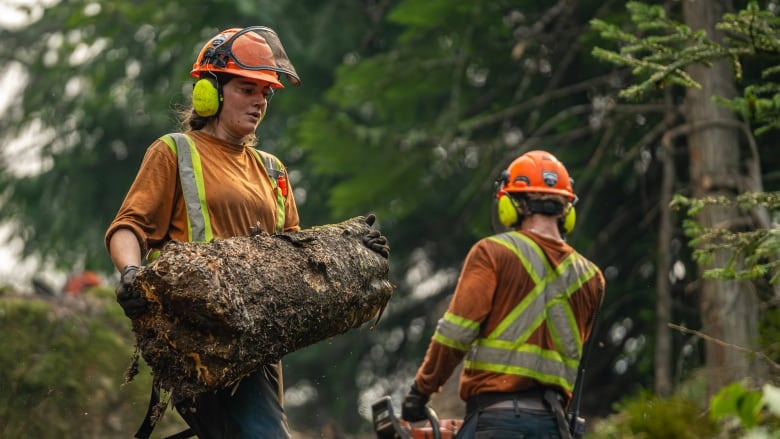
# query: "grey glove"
[[413, 408], [132, 302], [374, 240]]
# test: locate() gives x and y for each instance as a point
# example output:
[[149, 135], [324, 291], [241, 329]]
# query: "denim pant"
[[509, 424], [254, 411]]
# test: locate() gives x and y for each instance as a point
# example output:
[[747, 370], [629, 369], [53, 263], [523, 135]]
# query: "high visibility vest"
[[506, 349], [194, 192]]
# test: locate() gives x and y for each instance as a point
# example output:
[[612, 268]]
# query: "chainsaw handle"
[[389, 426], [433, 419]]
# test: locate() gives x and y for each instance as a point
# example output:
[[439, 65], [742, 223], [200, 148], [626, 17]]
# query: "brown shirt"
[[238, 193], [491, 284]]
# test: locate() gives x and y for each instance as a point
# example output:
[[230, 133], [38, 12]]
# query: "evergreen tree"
[[732, 236]]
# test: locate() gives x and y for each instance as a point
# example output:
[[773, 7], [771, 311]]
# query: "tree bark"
[[219, 310], [729, 309], [663, 344]]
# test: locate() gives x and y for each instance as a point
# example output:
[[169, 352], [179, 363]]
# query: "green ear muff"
[[569, 220], [507, 210], [206, 97]]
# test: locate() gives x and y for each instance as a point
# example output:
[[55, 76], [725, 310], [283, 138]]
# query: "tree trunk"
[[729, 309], [663, 313], [219, 310]]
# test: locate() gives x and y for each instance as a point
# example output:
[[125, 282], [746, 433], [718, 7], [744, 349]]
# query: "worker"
[[78, 283], [209, 182], [524, 304]]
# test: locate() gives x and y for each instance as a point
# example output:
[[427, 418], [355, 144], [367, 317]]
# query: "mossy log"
[[219, 310]]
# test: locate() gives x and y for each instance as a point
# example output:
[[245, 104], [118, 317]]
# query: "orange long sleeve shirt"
[[238, 192], [493, 282]]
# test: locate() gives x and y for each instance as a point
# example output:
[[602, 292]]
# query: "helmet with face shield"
[[253, 52]]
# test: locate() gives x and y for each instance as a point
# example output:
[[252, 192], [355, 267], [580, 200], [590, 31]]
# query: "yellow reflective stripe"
[[204, 206], [193, 188], [168, 140], [463, 322], [551, 379], [530, 360], [454, 344], [521, 371], [456, 331], [174, 140], [503, 329], [533, 271], [505, 350], [537, 266], [546, 360], [553, 291], [274, 169], [556, 307], [153, 254], [565, 323], [280, 210]]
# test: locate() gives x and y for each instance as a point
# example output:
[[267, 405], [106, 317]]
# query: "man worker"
[[524, 305]]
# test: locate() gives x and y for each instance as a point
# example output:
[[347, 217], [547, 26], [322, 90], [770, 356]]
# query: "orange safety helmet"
[[253, 52], [534, 172], [540, 172]]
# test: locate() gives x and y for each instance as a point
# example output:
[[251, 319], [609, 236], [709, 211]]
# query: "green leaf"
[[735, 400], [724, 403]]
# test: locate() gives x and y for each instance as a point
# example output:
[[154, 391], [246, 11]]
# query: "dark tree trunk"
[[219, 310], [663, 345]]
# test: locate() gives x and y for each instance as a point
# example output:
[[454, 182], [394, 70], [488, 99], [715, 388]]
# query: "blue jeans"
[[254, 411], [509, 424]]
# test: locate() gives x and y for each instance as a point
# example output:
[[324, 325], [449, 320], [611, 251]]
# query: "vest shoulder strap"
[[275, 171], [271, 163]]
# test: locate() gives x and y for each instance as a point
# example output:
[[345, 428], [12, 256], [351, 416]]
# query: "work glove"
[[257, 230], [130, 299], [413, 408], [374, 240]]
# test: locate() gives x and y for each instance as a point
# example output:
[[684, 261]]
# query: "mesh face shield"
[[240, 51]]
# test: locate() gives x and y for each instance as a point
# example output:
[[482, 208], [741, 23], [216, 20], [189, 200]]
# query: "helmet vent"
[[524, 179], [550, 178]]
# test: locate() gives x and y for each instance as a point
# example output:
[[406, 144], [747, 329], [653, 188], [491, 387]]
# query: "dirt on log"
[[218, 310]]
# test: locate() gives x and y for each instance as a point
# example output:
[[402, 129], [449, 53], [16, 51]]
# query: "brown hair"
[[189, 120], [531, 202]]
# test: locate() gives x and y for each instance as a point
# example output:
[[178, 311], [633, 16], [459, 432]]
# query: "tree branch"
[[706, 337]]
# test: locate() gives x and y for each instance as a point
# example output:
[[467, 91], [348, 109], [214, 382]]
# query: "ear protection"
[[569, 220], [509, 213], [207, 97], [507, 210]]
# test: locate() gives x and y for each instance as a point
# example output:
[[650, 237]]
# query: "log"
[[219, 310]]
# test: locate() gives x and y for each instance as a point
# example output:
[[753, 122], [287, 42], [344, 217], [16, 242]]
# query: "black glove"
[[257, 230], [130, 299], [374, 240], [413, 408]]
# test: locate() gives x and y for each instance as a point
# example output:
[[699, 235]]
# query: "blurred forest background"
[[664, 114]]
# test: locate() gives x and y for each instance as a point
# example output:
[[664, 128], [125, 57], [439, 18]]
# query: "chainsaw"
[[389, 426]]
